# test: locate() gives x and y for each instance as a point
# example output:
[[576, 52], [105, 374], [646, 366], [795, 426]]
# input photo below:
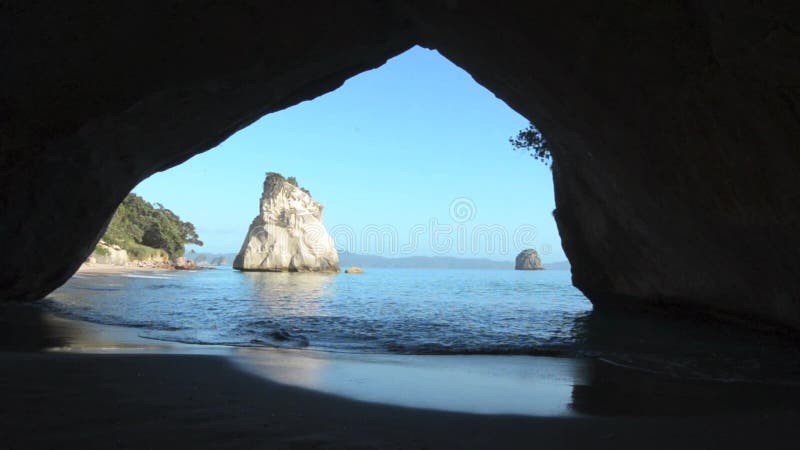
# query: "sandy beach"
[[89, 393], [112, 269]]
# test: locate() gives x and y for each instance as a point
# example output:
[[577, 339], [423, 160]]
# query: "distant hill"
[[559, 265], [211, 259], [434, 262], [347, 259]]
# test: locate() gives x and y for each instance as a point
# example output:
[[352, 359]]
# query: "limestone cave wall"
[[674, 126]]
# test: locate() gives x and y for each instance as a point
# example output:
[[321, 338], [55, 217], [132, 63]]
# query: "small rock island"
[[288, 234], [528, 260]]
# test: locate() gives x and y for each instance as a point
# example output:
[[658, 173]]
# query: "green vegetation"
[[102, 251], [139, 252], [531, 140], [290, 180], [275, 176], [147, 230]]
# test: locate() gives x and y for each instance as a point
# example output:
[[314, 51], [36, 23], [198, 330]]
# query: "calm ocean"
[[407, 311]]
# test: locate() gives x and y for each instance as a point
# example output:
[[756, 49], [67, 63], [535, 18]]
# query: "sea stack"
[[288, 234], [528, 260]]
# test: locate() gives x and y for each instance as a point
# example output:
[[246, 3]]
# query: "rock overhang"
[[673, 127]]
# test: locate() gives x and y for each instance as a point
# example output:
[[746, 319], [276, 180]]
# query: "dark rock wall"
[[96, 96], [674, 125], [675, 130]]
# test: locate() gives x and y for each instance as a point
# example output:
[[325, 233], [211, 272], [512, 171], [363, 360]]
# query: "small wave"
[[152, 277], [189, 340], [164, 286], [84, 314], [439, 349], [100, 288], [155, 326], [258, 324], [297, 342], [281, 337]]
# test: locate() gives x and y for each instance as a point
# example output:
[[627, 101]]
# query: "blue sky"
[[413, 148]]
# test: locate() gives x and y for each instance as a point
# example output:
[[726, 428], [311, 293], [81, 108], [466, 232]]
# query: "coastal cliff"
[[673, 125], [105, 253], [288, 234], [113, 257]]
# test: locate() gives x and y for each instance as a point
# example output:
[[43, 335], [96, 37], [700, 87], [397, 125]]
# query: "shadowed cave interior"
[[674, 130]]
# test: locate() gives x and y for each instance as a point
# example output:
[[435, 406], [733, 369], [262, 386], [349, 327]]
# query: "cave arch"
[[673, 127]]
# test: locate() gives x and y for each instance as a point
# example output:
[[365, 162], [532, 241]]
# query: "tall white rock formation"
[[288, 234]]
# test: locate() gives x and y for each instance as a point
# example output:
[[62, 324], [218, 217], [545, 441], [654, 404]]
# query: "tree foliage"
[[531, 140], [275, 176], [138, 223], [290, 180]]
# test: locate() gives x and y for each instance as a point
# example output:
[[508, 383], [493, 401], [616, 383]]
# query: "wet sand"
[[88, 395], [173, 401], [483, 384]]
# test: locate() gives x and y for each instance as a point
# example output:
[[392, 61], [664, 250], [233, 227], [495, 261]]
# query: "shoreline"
[[108, 385], [113, 269], [96, 386], [168, 401], [487, 384]]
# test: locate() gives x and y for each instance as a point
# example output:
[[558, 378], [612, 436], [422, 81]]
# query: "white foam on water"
[[154, 277]]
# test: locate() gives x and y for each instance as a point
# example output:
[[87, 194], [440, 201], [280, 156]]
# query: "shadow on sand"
[[159, 401]]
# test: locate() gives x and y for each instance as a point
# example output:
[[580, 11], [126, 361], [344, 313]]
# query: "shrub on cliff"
[[531, 140], [138, 225], [139, 252], [273, 176]]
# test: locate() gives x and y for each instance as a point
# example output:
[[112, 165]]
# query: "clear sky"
[[411, 158]]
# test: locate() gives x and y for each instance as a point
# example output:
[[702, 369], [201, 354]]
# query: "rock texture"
[[528, 260], [109, 254], [181, 263], [113, 255], [288, 234], [674, 126]]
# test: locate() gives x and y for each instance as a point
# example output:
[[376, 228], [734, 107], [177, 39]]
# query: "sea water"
[[487, 341], [399, 311]]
